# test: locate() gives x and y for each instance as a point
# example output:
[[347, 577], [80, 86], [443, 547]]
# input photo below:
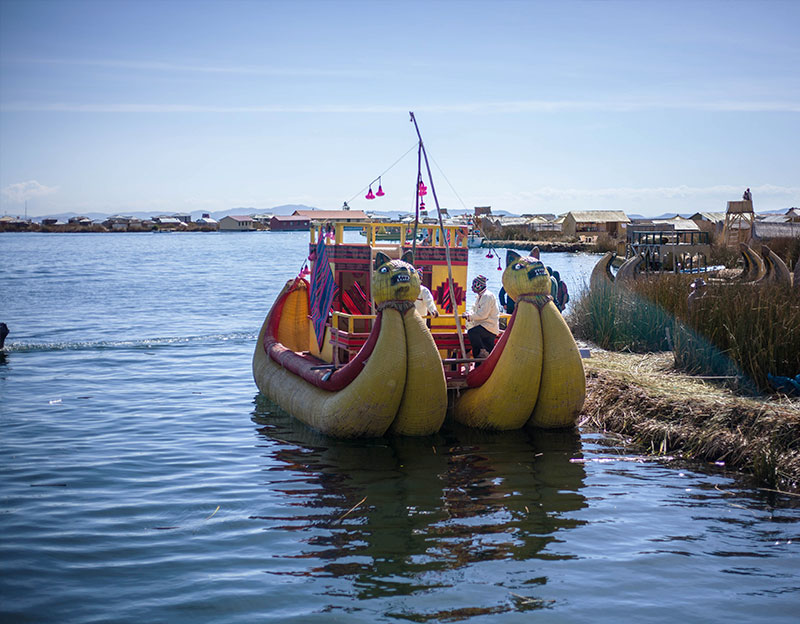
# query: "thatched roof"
[[679, 225], [599, 216], [764, 230], [714, 217]]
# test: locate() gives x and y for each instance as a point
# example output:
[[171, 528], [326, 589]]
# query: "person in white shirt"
[[425, 303], [483, 320]]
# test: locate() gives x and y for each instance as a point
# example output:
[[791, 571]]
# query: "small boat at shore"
[[346, 352], [474, 240], [382, 368]]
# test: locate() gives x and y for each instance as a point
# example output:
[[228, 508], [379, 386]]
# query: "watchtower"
[[739, 220]]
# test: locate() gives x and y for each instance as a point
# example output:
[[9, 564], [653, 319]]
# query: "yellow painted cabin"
[[352, 265]]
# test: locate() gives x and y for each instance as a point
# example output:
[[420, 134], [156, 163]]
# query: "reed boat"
[[382, 368], [344, 350]]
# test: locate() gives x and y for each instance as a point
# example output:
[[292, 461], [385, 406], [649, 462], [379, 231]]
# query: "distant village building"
[[263, 219], [543, 223], [81, 221], [768, 230], [333, 216], [206, 221], [287, 223], [510, 221], [590, 223], [678, 224], [772, 218], [790, 216], [709, 221], [118, 223], [236, 223], [49, 221], [13, 224], [302, 219], [183, 217], [168, 223]]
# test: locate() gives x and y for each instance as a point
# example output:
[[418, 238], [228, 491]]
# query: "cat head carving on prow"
[[394, 280], [525, 275]]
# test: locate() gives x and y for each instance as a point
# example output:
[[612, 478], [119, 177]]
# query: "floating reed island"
[[699, 368], [662, 411]]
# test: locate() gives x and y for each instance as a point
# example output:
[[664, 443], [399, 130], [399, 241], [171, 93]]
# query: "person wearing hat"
[[483, 319], [696, 291]]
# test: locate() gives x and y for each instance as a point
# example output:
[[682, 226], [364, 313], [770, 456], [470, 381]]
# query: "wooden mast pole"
[[444, 238]]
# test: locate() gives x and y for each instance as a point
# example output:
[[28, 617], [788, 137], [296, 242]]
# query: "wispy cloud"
[[652, 193], [22, 191], [511, 107], [168, 67]]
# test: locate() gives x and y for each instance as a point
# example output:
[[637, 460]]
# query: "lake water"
[[143, 480]]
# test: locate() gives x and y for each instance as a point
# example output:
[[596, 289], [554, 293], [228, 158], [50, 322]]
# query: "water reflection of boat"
[[411, 512], [346, 353]]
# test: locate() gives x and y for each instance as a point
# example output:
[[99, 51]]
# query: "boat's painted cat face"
[[525, 276], [394, 280]]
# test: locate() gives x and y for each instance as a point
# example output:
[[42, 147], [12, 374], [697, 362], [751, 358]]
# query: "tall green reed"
[[740, 330]]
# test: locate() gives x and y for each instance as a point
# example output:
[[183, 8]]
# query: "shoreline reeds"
[[738, 330], [709, 397]]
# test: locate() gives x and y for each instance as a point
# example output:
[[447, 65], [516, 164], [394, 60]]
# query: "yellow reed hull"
[[506, 400], [424, 404], [364, 408], [562, 389], [538, 381]]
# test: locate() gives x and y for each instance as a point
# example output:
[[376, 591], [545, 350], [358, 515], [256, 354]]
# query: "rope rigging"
[[424, 154]]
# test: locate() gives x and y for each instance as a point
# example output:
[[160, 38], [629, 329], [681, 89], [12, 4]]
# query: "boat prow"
[[360, 399], [534, 375]]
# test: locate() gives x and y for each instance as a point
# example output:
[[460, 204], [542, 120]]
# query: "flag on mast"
[[323, 289]]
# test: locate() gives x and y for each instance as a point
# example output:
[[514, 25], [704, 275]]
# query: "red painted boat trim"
[[301, 364]]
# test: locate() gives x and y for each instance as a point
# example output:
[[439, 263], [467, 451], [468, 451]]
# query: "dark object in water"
[[3, 334], [787, 385]]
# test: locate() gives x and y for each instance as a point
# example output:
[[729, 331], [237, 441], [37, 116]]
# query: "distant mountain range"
[[285, 209]]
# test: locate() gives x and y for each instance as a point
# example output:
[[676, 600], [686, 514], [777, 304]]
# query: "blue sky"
[[177, 106]]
